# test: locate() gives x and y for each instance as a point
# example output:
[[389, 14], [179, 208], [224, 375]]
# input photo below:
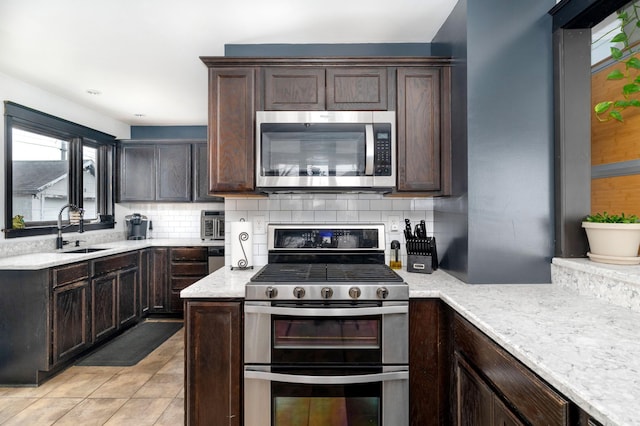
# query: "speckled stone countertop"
[[585, 347], [35, 261]]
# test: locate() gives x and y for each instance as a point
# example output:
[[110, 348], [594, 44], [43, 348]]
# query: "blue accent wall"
[[498, 225]]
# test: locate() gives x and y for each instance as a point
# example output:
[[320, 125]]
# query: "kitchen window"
[[51, 162]]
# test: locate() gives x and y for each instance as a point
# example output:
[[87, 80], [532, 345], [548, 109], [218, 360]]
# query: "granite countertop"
[[35, 261], [583, 346]]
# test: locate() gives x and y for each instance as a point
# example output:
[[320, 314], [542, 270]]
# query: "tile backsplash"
[[182, 220], [325, 208]]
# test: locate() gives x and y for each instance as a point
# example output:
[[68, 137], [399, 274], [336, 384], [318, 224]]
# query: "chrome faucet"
[[72, 207]]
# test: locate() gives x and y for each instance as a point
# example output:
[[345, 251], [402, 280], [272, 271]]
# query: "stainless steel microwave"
[[325, 150]]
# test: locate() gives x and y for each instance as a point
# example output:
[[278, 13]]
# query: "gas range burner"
[[326, 272], [326, 263]]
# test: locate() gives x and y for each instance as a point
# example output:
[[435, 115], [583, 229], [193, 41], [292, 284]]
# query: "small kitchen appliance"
[[325, 150], [326, 327], [136, 226], [211, 225]]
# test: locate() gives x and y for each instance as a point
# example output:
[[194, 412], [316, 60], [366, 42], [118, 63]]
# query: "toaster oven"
[[211, 225]]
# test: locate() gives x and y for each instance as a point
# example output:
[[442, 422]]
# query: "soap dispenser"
[[396, 262]]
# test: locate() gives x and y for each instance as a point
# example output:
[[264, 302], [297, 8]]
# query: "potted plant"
[[623, 51], [613, 238]]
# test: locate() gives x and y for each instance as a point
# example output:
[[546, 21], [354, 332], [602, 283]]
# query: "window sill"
[[49, 230]]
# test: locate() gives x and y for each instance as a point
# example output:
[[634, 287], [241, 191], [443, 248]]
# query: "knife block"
[[422, 256]]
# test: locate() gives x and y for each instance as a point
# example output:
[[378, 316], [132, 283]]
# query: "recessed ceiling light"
[[94, 92]]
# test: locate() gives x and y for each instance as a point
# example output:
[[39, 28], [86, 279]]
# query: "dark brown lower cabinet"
[[70, 331], [187, 265], [127, 297], [159, 280], [103, 302], [429, 362], [494, 388], [213, 363]]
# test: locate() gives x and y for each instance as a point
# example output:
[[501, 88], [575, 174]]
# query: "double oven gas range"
[[326, 331]]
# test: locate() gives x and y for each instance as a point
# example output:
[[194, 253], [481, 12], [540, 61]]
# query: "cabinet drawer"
[[189, 269], [114, 263], [180, 283], [534, 399], [189, 254], [68, 274]]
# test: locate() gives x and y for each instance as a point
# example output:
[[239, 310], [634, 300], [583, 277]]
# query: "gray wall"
[[498, 225]]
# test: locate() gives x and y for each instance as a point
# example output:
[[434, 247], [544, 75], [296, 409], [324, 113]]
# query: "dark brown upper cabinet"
[[418, 89], [357, 89], [319, 89], [294, 89], [231, 129], [424, 141], [155, 171]]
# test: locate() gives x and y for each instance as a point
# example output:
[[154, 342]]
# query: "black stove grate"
[[320, 272]]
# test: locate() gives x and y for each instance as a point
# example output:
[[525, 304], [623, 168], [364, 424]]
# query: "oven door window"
[[326, 339], [313, 150], [326, 405]]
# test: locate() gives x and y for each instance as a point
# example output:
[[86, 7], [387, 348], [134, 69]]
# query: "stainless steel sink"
[[84, 250]]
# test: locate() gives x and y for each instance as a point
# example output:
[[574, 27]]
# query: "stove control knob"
[[382, 292], [298, 292], [326, 292], [354, 292], [271, 292]]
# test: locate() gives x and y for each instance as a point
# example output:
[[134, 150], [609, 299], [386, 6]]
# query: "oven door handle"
[[326, 380], [326, 312]]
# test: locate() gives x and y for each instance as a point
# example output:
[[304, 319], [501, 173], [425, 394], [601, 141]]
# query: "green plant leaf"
[[633, 63], [622, 104], [619, 38], [635, 102], [602, 107], [616, 53], [616, 115], [631, 88], [615, 75]]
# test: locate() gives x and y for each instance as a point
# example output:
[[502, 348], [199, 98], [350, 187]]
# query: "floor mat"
[[132, 345]]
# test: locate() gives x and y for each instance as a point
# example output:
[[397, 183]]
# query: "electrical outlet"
[[394, 223], [259, 225]]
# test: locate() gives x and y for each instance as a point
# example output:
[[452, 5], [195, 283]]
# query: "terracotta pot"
[[613, 239]]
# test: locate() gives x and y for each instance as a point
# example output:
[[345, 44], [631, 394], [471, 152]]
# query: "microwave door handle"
[[368, 137], [326, 380]]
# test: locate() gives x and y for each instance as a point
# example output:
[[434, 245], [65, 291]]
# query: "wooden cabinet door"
[[127, 297], [291, 88], [201, 174], [357, 89], [173, 172], [103, 306], [429, 363], [474, 399], [213, 360], [137, 173], [70, 331], [421, 164], [502, 416], [159, 280], [231, 130]]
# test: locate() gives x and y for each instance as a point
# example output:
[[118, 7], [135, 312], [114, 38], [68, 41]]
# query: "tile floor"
[[149, 393]]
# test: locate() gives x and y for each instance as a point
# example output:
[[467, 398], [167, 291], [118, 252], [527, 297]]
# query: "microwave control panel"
[[382, 150]]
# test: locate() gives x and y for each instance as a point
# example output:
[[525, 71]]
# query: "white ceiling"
[[143, 55]]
